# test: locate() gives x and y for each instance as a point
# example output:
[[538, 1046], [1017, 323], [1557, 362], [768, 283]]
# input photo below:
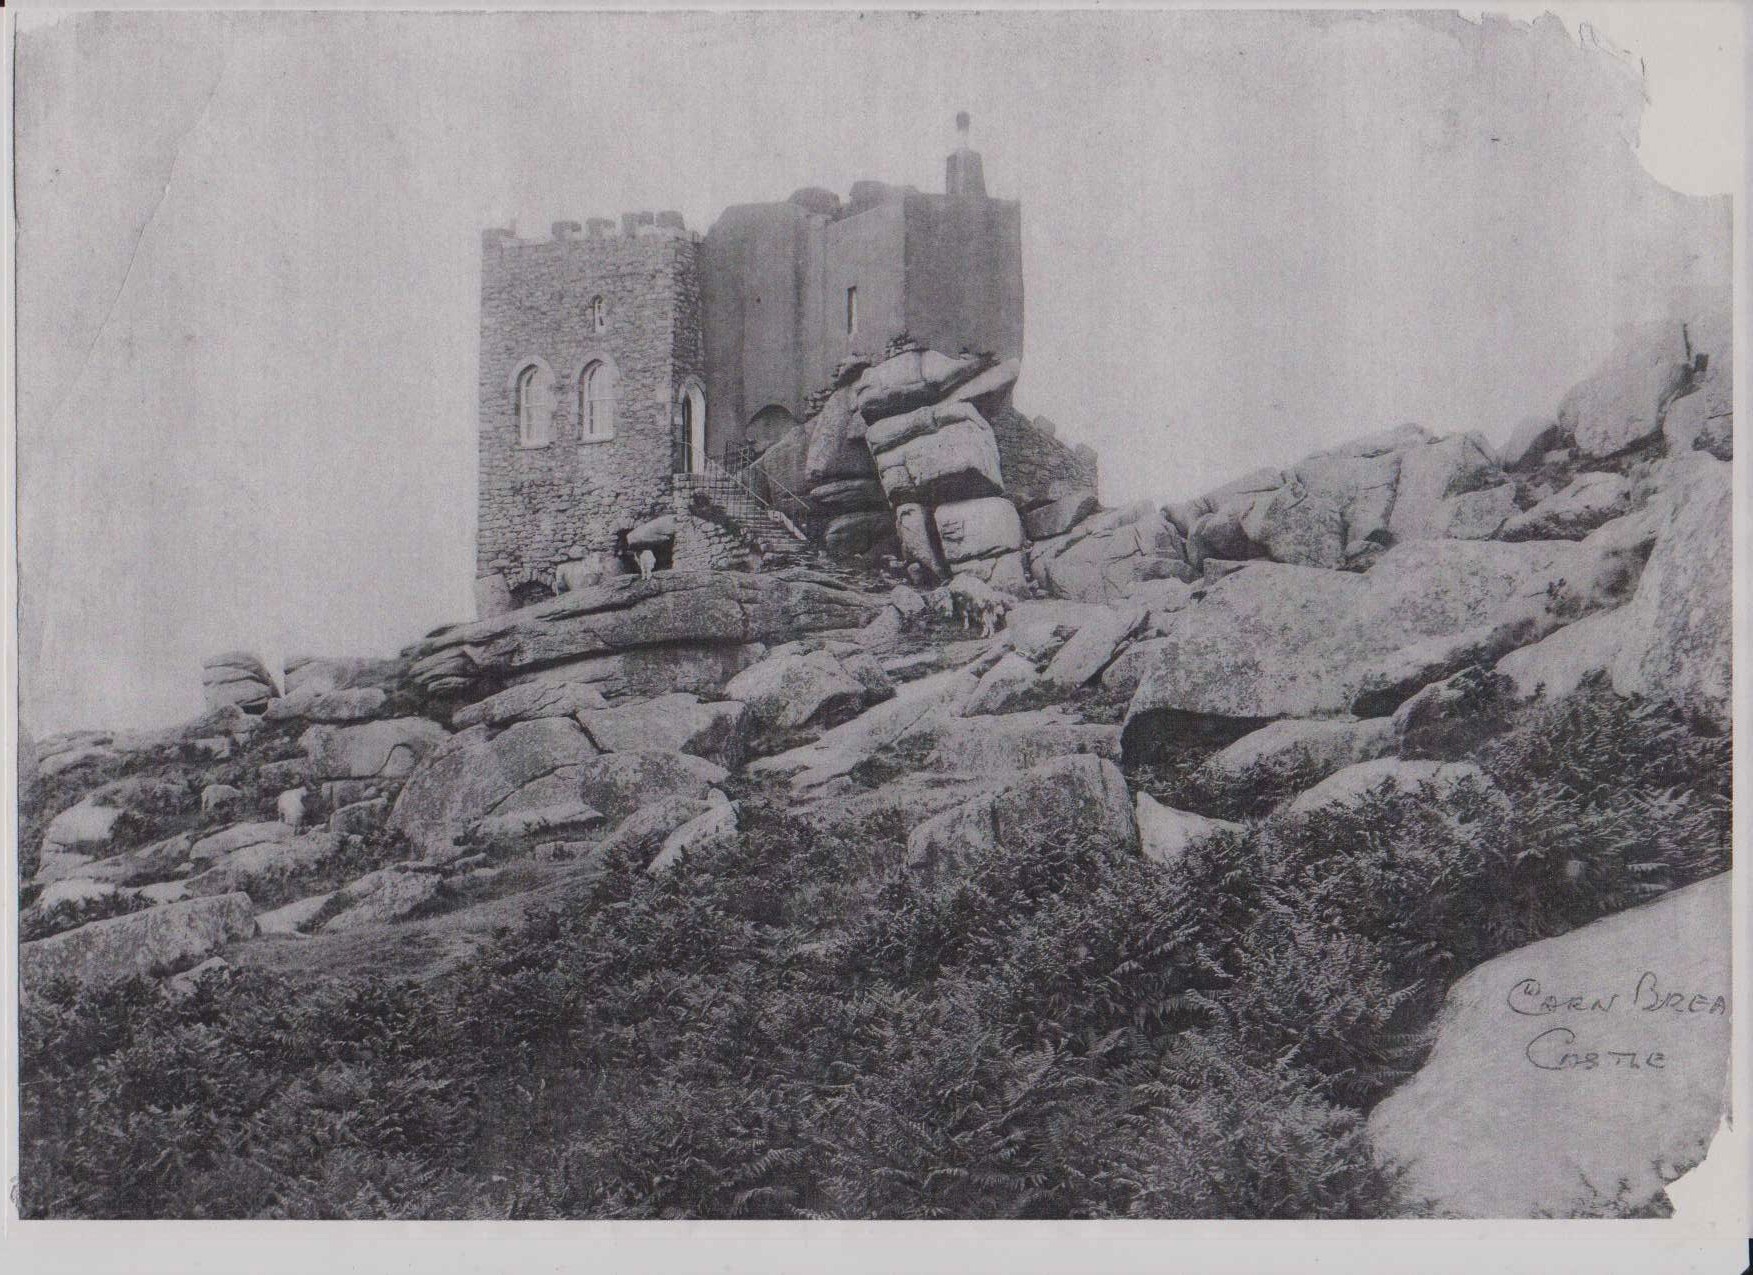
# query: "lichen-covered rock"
[[1576, 1076], [1059, 516], [699, 612], [792, 692], [910, 380], [971, 529], [1590, 500], [993, 747], [319, 675], [1678, 644], [1307, 750], [1295, 524], [716, 825], [918, 539], [1058, 802], [264, 868], [1558, 664], [1352, 785], [60, 865], [1005, 573], [236, 678], [359, 817], [935, 455], [529, 765], [1273, 640], [389, 894], [1703, 418], [1621, 404], [1105, 554], [1702, 422], [640, 835], [59, 754], [156, 941], [674, 723], [836, 450], [1450, 487], [292, 918], [620, 783], [915, 705], [1532, 438], [528, 702], [539, 825], [352, 704], [84, 828], [1093, 647], [1012, 685], [213, 847], [372, 750], [849, 495], [1166, 834]]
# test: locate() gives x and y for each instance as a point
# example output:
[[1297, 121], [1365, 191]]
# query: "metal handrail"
[[715, 472], [776, 484]]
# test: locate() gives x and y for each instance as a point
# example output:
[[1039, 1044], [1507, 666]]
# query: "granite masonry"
[[631, 372]]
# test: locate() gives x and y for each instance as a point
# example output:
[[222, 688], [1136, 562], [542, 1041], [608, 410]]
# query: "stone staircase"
[[780, 540]]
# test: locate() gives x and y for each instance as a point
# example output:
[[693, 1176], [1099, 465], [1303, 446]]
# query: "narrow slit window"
[[851, 311]]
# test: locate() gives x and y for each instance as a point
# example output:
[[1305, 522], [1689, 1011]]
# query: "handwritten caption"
[[1557, 1048]]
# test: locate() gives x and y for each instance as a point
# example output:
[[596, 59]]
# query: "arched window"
[[534, 406], [596, 401], [599, 314]]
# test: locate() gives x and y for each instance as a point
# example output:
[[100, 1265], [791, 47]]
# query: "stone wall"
[[944, 269], [1037, 467], [567, 499]]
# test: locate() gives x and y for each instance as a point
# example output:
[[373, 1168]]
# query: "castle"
[[627, 369]]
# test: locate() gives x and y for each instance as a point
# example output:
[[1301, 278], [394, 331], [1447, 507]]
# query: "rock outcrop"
[[935, 455], [676, 617], [1059, 801], [374, 750], [1271, 641], [788, 693], [1104, 555], [1166, 834], [237, 678], [159, 940], [674, 723], [1677, 645], [528, 766]]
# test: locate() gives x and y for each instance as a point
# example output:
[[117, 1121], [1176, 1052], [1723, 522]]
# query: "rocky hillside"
[[1333, 736]]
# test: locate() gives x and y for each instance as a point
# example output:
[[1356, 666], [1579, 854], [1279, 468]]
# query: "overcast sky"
[[248, 259]]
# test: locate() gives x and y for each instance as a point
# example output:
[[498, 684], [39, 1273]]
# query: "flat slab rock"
[[159, 940], [627, 613], [1272, 640], [1577, 1076]]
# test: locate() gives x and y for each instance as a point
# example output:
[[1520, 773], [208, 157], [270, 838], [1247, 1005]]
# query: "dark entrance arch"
[[530, 592], [768, 426]]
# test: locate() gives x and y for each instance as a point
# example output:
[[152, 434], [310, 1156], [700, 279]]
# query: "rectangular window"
[[851, 311]]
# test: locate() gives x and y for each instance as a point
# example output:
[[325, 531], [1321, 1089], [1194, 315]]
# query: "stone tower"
[[591, 395], [793, 289]]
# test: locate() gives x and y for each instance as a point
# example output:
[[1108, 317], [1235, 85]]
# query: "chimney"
[[963, 173]]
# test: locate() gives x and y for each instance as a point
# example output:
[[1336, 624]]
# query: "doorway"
[[693, 427]]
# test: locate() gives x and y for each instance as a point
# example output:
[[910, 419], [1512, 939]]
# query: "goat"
[[978, 605]]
